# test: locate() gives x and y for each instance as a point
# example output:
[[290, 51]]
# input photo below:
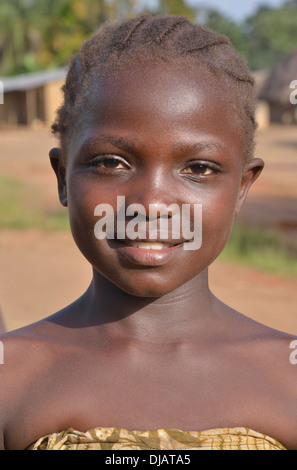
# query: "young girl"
[[158, 113]]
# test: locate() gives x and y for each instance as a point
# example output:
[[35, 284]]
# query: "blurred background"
[[41, 270]]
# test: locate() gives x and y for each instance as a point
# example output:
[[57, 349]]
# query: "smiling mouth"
[[151, 245], [148, 253]]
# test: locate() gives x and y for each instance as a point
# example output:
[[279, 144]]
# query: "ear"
[[251, 173], [59, 168]]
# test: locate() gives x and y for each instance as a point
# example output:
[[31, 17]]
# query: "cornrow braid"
[[174, 23], [135, 25], [158, 38]]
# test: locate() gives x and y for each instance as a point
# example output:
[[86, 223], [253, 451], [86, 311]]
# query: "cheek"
[[83, 197], [218, 217]]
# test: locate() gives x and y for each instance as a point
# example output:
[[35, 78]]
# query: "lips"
[[146, 253], [145, 245]]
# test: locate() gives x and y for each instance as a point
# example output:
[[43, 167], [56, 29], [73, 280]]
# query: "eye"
[[200, 169], [109, 162]]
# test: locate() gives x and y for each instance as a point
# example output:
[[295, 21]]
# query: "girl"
[[158, 113]]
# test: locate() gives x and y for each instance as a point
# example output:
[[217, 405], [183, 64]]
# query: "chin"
[[149, 293], [143, 285]]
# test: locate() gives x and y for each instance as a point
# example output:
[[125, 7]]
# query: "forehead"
[[161, 98], [180, 85]]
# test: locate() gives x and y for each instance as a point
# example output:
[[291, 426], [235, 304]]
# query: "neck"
[[166, 318]]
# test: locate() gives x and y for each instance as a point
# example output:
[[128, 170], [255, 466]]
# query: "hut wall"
[[31, 106], [13, 109], [52, 100], [283, 114], [262, 114]]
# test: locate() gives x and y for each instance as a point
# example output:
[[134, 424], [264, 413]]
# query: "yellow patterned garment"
[[162, 439]]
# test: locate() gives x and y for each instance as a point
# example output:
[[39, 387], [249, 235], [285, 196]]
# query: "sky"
[[235, 9]]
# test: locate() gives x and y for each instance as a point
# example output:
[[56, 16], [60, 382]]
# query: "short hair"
[[157, 37]]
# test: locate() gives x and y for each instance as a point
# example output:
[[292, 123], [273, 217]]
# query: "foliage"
[[221, 24], [265, 37], [176, 7], [272, 33], [39, 34]]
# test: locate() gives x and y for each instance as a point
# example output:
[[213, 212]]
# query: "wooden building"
[[31, 98], [276, 91]]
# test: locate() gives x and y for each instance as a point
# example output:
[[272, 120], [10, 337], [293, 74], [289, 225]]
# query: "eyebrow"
[[192, 147], [131, 144], [123, 143]]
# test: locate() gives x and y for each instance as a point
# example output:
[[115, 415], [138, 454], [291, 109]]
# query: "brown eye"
[[109, 163], [198, 169]]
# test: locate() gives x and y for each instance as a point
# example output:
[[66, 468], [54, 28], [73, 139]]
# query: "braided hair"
[[159, 38]]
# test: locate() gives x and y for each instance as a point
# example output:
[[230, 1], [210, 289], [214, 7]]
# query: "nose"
[[153, 193], [152, 198]]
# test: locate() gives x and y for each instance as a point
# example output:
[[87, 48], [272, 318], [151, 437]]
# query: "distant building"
[[262, 109], [276, 91], [31, 98]]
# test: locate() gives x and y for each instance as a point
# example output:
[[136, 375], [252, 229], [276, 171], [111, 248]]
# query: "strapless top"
[[239, 438]]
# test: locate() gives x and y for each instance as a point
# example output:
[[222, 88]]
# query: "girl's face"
[[156, 136]]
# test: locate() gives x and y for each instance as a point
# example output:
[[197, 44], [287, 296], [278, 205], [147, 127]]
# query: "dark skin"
[[148, 345]]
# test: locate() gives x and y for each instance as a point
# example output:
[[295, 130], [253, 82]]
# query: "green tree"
[[177, 7], [264, 38], [223, 25], [272, 34], [38, 34], [18, 40]]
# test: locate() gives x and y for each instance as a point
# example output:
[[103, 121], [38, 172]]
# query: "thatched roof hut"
[[276, 90]]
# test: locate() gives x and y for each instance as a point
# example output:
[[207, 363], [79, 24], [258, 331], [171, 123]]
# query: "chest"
[[146, 394]]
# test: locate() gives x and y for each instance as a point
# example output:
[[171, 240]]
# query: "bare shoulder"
[[21, 348], [265, 361], [29, 356], [276, 349], [36, 347], [272, 351], [282, 367], [273, 357]]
